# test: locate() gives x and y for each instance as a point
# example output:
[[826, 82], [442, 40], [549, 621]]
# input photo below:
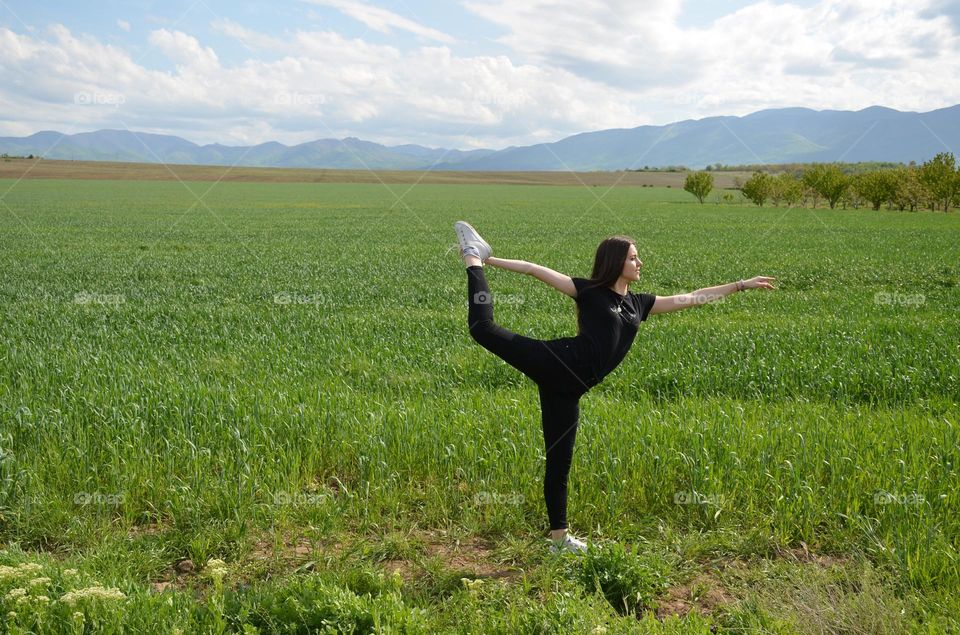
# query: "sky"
[[462, 73]]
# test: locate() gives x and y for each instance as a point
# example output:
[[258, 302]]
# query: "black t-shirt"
[[608, 323]]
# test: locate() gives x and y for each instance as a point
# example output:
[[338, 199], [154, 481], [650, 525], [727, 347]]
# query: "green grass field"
[[280, 376]]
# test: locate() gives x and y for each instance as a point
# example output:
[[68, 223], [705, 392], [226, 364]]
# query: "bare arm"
[[559, 281], [668, 303]]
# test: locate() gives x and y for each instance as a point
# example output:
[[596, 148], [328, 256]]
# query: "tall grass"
[[295, 353]]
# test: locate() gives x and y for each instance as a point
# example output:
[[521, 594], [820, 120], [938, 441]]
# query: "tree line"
[[933, 185]]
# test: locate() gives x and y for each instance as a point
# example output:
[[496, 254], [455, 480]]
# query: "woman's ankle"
[[472, 261], [558, 534]]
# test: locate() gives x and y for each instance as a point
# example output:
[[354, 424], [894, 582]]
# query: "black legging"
[[560, 388]]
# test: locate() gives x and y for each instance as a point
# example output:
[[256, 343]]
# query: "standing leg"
[[560, 412]]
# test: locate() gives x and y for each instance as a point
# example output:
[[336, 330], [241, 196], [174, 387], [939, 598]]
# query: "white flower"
[[216, 568], [16, 593], [96, 592], [12, 573], [39, 581], [69, 572]]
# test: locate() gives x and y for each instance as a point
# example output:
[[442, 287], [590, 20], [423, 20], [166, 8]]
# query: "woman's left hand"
[[759, 282]]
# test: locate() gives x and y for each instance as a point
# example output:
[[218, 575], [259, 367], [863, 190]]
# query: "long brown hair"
[[609, 259]]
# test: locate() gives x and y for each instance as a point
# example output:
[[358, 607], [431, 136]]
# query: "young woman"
[[564, 369]]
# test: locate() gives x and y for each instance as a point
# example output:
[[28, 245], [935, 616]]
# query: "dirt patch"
[[471, 557], [703, 594], [474, 557], [803, 554], [289, 549], [706, 591]]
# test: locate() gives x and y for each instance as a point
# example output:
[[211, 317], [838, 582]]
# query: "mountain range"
[[786, 135]]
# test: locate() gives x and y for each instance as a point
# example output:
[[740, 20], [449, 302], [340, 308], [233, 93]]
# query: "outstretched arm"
[[559, 281], [665, 304]]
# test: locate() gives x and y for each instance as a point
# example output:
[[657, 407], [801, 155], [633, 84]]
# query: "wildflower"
[[11, 616], [12, 573], [97, 592], [16, 593], [39, 581], [69, 572], [472, 585], [216, 568], [78, 615]]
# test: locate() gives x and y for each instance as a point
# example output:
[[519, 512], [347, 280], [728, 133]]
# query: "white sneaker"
[[567, 543], [468, 236]]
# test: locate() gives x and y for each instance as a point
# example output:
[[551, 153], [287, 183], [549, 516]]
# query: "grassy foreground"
[[248, 407]]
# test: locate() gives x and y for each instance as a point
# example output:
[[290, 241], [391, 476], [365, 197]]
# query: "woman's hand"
[[759, 282]]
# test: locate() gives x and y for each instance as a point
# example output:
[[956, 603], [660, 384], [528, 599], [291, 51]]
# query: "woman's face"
[[631, 266]]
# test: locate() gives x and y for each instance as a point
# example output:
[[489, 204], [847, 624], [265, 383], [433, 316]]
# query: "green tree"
[[910, 193], [877, 187], [699, 184], [786, 188], [939, 176], [827, 181], [758, 188], [810, 179]]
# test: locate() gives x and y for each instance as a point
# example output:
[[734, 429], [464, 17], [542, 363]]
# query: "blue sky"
[[474, 73]]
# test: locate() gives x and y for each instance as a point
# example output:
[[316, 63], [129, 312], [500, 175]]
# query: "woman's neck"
[[621, 286]]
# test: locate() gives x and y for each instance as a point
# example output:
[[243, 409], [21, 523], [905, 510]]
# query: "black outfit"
[[564, 369]]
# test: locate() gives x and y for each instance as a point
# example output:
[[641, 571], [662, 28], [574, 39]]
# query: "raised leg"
[[529, 356]]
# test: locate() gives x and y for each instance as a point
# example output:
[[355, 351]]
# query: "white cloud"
[[322, 85], [835, 54], [185, 49], [383, 20], [571, 67], [124, 25], [620, 42]]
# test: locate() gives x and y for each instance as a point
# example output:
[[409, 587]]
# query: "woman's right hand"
[[759, 282]]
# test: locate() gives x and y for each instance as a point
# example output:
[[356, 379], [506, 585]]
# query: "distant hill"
[[142, 147], [787, 135]]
